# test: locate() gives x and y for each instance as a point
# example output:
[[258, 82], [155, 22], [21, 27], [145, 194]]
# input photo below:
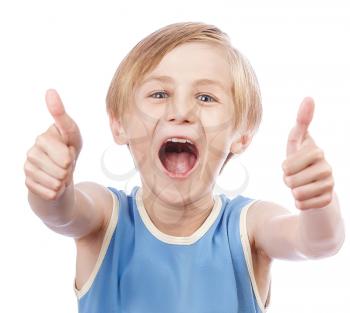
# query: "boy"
[[184, 101]]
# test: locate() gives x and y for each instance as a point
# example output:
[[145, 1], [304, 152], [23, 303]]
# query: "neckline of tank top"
[[177, 240]]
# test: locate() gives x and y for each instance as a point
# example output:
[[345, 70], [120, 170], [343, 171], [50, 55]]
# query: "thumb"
[[65, 124], [300, 130]]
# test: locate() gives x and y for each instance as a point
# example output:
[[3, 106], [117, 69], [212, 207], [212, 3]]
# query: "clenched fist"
[[50, 162]]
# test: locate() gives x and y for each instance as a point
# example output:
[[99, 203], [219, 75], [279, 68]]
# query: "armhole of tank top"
[[248, 257], [105, 244]]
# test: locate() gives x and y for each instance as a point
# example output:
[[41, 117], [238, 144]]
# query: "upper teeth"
[[179, 140]]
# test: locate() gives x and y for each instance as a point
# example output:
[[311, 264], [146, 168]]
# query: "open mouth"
[[178, 156]]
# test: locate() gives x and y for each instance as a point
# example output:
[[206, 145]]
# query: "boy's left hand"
[[306, 171]]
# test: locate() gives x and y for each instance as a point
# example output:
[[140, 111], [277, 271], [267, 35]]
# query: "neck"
[[177, 219]]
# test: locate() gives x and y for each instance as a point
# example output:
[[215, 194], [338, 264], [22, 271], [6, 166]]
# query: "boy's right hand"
[[51, 160]]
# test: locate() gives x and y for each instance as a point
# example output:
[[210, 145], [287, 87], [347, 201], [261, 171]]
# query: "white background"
[[297, 49]]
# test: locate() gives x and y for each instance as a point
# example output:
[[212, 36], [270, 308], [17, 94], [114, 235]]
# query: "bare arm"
[[322, 231], [318, 230], [81, 210], [72, 210], [311, 234]]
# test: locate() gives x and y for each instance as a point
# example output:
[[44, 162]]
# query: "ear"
[[240, 144], [118, 131]]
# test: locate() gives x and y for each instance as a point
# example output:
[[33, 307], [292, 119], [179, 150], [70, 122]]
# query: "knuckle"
[[66, 158], [56, 185], [326, 170], [57, 194], [286, 167], [63, 174], [51, 195], [66, 162], [324, 200], [328, 197], [290, 181], [318, 153], [331, 182], [68, 176], [27, 168], [299, 205], [39, 140], [28, 183], [297, 193], [31, 155]]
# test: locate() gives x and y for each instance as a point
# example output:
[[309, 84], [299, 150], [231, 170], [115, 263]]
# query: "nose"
[[181, 110]]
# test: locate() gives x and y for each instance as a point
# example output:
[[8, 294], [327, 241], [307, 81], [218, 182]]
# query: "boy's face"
[[176, 100]]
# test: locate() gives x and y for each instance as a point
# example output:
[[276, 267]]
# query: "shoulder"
[[258, 262], [257, 216], [91, 249], [103, 200], [99, 193]]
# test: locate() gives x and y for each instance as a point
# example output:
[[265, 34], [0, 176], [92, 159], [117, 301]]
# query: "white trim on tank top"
[[174, 240], [177, 240], [248, 257], [105, 243]]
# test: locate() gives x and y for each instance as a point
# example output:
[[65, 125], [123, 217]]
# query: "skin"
[[179, 206]]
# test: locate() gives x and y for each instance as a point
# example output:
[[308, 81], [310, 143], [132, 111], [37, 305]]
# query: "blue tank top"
[[143, 270]]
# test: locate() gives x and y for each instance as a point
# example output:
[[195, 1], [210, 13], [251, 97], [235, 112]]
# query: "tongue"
[[179, 163]]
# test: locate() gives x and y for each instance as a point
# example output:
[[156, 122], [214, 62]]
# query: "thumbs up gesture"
[[51, 160], [305, 169]]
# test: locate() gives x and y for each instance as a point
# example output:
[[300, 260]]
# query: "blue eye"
[[208, 97], [158, 93]]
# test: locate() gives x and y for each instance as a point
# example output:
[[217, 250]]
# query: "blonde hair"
[[148, 53]]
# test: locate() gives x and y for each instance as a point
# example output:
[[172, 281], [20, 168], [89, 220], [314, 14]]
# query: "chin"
[[176, 193]]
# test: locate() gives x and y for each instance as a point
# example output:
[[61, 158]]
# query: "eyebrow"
[[168, 79]]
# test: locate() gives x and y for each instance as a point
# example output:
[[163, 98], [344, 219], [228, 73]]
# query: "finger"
[[73, 155], [312, 173], [56, 150], [40, 159], [302, 159], [308, 140], [69, 176], [314, 189], [63, 121], [305, 114], [41, 191], [299, 131], [42, 178], [315, 203]]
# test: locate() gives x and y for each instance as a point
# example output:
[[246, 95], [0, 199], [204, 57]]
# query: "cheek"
[[216, 119], [150, 110], [139, 124], [218, 147], [218, 129], [139, 132]]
